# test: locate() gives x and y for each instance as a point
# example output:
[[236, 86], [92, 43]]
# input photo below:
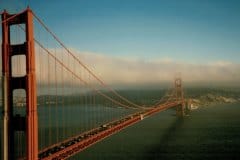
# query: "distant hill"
[[211, 96]]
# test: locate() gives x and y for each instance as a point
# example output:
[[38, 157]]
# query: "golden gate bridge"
[[46, 89]]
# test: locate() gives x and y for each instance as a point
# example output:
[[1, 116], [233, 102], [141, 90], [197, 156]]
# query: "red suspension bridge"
[[55, 106]]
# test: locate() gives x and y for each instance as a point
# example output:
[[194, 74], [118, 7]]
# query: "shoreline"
[[209, 100]]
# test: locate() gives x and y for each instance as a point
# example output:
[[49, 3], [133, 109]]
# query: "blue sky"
[[147, 41], [196, 31]]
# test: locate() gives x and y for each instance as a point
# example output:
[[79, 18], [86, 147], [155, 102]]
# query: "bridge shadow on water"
[[165, 147], [206, 134]]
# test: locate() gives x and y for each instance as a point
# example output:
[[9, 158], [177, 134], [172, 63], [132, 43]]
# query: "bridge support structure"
[[15, 124], [179, 96]]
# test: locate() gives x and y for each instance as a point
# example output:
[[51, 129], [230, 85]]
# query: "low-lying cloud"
[[126, 70], [135, 71]]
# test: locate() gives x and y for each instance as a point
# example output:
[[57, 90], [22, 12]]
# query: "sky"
[[186, 34]]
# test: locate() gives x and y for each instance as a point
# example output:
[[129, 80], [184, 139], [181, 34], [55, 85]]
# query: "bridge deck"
[[78, 143]]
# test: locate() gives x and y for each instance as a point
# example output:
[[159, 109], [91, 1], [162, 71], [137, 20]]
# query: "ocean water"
[[56, 123], [207, 133]]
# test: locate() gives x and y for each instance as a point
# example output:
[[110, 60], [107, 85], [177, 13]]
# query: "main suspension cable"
[[83, 65]]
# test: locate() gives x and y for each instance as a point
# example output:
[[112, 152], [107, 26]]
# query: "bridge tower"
[[14, 124], [179, 96]]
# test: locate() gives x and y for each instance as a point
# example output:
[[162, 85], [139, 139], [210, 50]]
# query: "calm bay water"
[[208, 133], [57, 122]]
